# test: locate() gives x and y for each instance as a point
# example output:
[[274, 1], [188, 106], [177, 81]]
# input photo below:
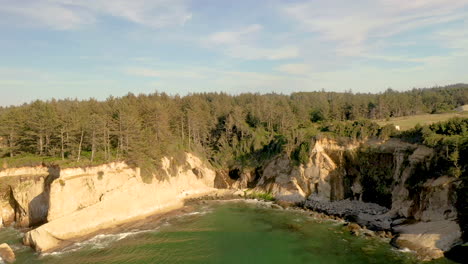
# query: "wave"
[[97, 242], [405, 250], [102, 241]]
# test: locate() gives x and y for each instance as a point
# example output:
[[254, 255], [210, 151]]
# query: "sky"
[[97, 48]]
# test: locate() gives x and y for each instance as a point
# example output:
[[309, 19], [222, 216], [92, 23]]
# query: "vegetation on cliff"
[[449, 139], [227, 130]]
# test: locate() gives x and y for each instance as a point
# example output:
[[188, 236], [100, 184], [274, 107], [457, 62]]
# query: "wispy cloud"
[[251, 52], [281, 46], [351, 25], [242, 43], [234, 37], [162, 73], [295, 68], [455, 37], [72, 14]]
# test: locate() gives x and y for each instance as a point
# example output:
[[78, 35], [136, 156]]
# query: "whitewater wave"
[[405, 250], [97, 242], [102, 241]]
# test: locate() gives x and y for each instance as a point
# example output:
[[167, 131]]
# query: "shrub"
[[261, 196]]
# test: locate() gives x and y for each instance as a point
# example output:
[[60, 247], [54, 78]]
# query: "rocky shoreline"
[[331, 185], [354, 227], [429, 240], [358, 218], [362, 219], [371, 215]]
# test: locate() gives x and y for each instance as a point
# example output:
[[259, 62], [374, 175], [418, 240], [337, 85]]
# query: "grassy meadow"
[[408, 122]]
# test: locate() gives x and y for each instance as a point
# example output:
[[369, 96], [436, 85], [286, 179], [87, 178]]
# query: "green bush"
[[261, 196]]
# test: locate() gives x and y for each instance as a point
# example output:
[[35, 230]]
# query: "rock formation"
[[77, 202], [378, 184], [6, 254], [339, 176]]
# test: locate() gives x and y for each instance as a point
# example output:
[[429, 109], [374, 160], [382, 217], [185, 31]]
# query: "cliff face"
[[376, 172], [321, 177], [391, 174], [24, 195], [77, 202]]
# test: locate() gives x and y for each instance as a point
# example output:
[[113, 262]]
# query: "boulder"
[[428, 239], [6, 253], [354, 229]]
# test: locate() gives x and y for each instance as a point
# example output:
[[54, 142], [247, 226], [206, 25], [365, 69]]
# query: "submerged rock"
[[354, 229], [6, 253]]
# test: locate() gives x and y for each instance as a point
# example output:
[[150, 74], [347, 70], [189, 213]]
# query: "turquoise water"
[[230, 232]]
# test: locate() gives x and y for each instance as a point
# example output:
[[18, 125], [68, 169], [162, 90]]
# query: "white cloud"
[[295, 69], [47, 13], [233, 37], [71, 14], [162, 73], [351, 25], [242, 44], [250, 52]]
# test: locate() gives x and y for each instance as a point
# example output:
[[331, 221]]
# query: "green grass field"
[[408, 122]]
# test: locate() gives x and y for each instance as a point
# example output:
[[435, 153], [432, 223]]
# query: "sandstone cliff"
[[77, 202], [24, 195], [379, 184]]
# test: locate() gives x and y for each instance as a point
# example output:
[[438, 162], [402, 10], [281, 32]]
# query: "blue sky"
[[97, 48]]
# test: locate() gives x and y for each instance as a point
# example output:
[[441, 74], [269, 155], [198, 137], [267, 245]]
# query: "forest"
[[228, 130]]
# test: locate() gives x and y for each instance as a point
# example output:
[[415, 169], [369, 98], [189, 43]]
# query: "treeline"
[[223, 128]]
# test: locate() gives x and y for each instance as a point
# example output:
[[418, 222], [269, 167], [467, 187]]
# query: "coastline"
[[151, 222]]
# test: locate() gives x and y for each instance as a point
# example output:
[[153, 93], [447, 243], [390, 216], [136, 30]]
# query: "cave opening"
[[234, 174]]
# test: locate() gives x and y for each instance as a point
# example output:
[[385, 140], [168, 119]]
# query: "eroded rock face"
[[86, 201], [7, 213], [31, 201], [78, 188], [24, 195], [334, 173], [320, 177]]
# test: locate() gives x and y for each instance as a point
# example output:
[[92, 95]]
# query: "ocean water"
[[224, 232]]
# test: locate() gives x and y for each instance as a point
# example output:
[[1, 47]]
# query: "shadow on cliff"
[[39, 205]]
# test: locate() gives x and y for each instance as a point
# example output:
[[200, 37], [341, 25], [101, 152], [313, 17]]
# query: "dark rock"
[[371, 215], [458, 254], [398, 221], [374, 222]]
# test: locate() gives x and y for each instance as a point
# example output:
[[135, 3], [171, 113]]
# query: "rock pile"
[[371, 215]]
